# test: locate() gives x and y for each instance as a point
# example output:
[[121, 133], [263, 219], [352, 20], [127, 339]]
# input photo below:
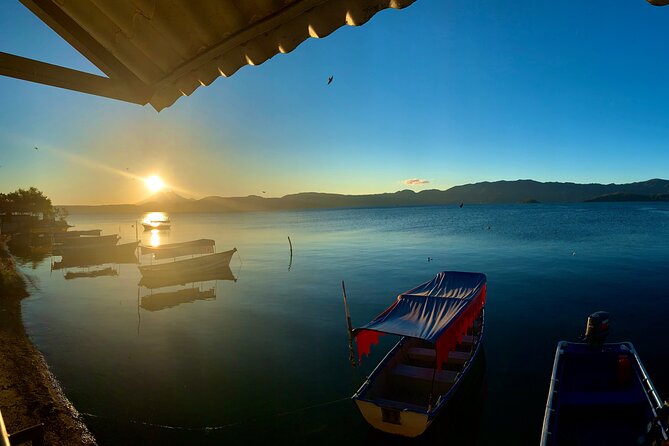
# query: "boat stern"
[[393, 420]]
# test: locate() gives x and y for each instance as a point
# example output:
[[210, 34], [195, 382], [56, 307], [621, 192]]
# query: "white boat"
[[204, 263], [441, 323]]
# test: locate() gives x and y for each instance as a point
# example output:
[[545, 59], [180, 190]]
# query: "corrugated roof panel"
[[176, 46]]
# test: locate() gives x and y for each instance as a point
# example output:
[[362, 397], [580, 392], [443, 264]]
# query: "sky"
[[444, 92]]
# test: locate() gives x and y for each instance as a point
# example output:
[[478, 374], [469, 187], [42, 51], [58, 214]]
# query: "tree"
[[30, 201]]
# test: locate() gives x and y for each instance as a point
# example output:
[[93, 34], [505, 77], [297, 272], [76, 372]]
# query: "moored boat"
[[600, 393], [441, 323], [182, 278], [209, 262], [101, 240], [70, 234]]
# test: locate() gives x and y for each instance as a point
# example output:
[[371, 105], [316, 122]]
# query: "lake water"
[[266, 359]]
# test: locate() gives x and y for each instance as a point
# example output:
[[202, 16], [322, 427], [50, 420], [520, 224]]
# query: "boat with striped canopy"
[[441, 327]]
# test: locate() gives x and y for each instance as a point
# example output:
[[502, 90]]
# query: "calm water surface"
[[267, 357]]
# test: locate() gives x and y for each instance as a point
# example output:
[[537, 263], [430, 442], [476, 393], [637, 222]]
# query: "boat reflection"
[[108, 271], [169, 299], [162, 301], [171, 279]]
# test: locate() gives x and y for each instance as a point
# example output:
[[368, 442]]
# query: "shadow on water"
[[335, 422]]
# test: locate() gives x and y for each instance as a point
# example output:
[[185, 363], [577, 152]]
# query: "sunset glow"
[[154, 183]]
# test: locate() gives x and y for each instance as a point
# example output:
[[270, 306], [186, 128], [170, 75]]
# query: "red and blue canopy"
[[438, 311]]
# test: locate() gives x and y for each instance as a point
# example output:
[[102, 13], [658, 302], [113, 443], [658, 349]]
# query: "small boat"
[[600, 393], [209, 262], [201, 246], [90, 256], [441, 323], [101, 240], [69, 234], [156, 224]]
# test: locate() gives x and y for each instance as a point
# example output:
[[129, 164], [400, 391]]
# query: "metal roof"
[[155, 51]]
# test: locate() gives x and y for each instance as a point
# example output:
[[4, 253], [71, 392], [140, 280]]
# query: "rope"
[[224, 426]]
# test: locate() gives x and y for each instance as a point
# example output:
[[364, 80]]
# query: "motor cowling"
[[597, 328]]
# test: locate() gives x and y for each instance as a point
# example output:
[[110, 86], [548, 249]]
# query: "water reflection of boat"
[[92, 241], [441, 324], [182, 278], [124, 253], [600, 393], [109, 271], [161, 301]]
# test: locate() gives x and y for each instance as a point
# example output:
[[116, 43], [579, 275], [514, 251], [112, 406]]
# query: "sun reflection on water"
[[155, 238]]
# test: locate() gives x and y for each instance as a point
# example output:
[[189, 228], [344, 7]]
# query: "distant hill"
[[629, 197], [519, 191]]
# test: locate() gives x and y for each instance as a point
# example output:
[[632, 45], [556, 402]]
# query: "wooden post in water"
[[291, 253], [136, 232], [349, 326]]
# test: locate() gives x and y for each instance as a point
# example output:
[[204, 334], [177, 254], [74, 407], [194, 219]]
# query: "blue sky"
[[448, 91]]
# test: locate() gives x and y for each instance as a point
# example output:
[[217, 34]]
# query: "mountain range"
[[518, 191]]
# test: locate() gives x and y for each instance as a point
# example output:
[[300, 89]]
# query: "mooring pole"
[[349, 326], [136, 232], [291, 253]]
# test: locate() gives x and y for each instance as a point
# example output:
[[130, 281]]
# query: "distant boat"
[[159, 225], [601, 394], [97, 255], [201, 246], [202, 264], [69, 234], [441, 324], [101, 240]]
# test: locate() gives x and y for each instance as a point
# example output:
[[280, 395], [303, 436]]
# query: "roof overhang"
[[157, 51]]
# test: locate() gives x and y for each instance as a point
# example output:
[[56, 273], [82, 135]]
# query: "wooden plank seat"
[[424, 373], [427, 354], [458, 357]]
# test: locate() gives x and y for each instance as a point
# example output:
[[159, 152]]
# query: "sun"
[[154, 183]]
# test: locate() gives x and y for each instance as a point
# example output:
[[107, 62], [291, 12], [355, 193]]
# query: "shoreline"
[[29, 393]]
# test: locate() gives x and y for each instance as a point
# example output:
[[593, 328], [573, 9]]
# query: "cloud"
[[415, 181]]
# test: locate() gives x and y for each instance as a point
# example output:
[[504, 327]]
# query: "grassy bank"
[[29, 394]]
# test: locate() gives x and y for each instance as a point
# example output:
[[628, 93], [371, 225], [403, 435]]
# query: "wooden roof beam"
[[44, 73]]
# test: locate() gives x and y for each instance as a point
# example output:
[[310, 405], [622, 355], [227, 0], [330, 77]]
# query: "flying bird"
[[330, 79]]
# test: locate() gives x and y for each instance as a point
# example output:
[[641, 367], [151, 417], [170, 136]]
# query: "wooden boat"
[[69, 234], [441, 323], [161, 301], [601, 394], [102, 240], [182, 278], [210, 262], [201, 246], [90, 256]]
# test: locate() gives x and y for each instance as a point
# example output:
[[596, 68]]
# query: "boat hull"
[[188, 266], [402, 418]]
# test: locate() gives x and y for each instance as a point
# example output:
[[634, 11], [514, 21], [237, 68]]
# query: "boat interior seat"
[[424, 373], [602, 398], [457, 357]]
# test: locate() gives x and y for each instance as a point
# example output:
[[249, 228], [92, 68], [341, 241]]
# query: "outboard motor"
[[597, 328]]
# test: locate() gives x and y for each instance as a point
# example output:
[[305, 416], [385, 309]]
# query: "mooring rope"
[[222, 426]]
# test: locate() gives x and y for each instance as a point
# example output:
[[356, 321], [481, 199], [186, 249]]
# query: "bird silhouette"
[[330, 79]]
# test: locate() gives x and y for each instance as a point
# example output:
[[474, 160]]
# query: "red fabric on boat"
[[439, 311], [365, 340]]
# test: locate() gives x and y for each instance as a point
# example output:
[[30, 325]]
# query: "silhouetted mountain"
[[629, 197], [519, 191]]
